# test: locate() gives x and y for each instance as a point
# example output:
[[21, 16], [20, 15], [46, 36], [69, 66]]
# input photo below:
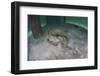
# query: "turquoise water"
[[59, 21]]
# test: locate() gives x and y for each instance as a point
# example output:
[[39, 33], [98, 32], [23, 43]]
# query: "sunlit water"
[[74, 47]]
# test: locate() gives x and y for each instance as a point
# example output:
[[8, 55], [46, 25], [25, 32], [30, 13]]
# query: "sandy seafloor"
[[77, 48]]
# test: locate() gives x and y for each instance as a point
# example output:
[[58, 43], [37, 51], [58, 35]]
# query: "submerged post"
[[36, 26]]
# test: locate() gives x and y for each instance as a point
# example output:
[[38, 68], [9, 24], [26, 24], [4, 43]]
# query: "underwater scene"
[[57, 37]]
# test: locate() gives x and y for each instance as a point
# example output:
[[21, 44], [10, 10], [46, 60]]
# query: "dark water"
[[75, 46]]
